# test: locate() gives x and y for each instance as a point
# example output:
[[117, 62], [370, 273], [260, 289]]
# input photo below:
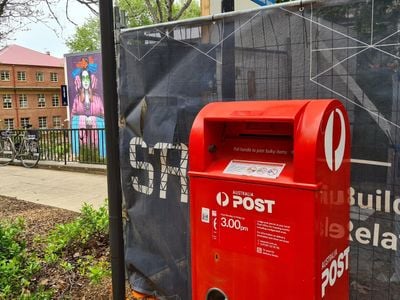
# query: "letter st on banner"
[[347, 50]]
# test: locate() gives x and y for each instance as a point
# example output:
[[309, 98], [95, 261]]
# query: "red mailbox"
[[269, 190]]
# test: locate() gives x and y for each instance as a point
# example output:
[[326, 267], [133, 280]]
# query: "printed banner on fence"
[[344, 49]]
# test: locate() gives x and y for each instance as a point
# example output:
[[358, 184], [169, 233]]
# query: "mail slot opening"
[[265, 139], [258, 129], [216, 294]]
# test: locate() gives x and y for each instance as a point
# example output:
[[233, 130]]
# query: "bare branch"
[[67, 13], [93, 5], [2, 6], [153, 12], [159, 8], [182, 10], [170, 4], [53, 14], [16, 15]]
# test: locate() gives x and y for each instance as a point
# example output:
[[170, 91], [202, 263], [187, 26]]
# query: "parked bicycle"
[[24, 147]]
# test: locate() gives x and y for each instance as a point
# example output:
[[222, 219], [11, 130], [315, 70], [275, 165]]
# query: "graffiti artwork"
[[86, 101]]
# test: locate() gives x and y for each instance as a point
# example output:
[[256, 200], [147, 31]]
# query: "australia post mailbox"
[[269, 189]]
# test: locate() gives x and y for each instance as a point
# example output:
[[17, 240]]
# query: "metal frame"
[[220, 16]]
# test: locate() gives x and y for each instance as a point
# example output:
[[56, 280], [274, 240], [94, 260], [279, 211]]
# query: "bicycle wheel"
[[6, 152], [30, 154]]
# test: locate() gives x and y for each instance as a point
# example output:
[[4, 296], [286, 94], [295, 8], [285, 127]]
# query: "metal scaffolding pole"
[[112, 142], [228, 54]]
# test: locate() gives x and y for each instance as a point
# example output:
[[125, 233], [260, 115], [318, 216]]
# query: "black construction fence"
[[344, 49]]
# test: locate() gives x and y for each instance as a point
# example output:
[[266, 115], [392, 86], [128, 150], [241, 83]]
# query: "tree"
[[17, 14], [148, 12], [167, 10], [145, 12], [86, 37]]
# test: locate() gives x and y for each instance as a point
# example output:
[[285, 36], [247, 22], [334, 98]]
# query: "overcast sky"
[[41, 38]]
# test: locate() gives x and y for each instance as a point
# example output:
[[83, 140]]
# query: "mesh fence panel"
[[347, 49]]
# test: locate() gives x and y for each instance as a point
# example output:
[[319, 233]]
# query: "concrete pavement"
[[63, 189]]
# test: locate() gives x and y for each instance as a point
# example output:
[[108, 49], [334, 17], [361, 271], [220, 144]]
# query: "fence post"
[[228, 54], [65, 147]]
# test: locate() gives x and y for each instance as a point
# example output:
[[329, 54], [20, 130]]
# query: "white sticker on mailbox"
[[255, 169], [205, 215]]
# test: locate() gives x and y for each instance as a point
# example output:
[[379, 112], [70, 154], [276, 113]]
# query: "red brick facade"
[[30, 89]]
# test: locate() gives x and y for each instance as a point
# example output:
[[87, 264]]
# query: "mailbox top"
[[311, 138]]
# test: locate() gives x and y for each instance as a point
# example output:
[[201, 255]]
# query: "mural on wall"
[[86, 106]]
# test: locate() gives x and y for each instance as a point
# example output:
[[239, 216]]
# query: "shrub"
[[89, 154], [75, 236], [17, 265], [89, 224]]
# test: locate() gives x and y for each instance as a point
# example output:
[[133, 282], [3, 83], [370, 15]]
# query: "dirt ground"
[[39, 219]]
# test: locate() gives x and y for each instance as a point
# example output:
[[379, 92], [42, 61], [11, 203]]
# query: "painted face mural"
[[87, 109], [85, 77]]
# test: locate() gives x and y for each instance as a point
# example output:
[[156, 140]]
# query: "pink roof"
[[17, 55]]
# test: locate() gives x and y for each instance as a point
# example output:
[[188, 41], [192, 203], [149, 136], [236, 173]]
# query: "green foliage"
[[75, 235], [9, 242], [89, 224], [193, 11], [98, 271], [17, 265], [96, 221], [67, 266], [138, 13], [94, 271], [86, 37], [89, 154], [54, 145]]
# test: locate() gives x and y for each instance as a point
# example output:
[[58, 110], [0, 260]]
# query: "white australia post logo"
[[334, 157], [244, 201], [222, 199]]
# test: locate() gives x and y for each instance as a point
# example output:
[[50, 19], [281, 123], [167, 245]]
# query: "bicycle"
[[26, 148]]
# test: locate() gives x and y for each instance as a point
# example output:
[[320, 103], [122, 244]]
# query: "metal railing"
[[71, 145]]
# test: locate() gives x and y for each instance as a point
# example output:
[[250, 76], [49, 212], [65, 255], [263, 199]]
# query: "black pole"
[[112, 142], [227, 5], [228, 54], [65, 146]]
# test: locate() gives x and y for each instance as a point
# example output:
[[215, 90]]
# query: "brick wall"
[[32, 88]]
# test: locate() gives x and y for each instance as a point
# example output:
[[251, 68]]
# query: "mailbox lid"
[[287, 132]]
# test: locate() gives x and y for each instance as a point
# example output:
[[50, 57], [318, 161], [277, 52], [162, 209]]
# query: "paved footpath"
[[63, 189]]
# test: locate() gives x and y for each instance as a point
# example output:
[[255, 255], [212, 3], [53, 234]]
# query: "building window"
[[42, 122], [57, 122], [41, 100], [21, 76], [9, 123], [24, 122], [56, 100], [7, 101], [39, 76], [23, 101], [4, 75], [53, 77]]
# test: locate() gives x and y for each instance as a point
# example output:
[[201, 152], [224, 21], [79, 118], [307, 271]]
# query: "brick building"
[[30, 89]]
